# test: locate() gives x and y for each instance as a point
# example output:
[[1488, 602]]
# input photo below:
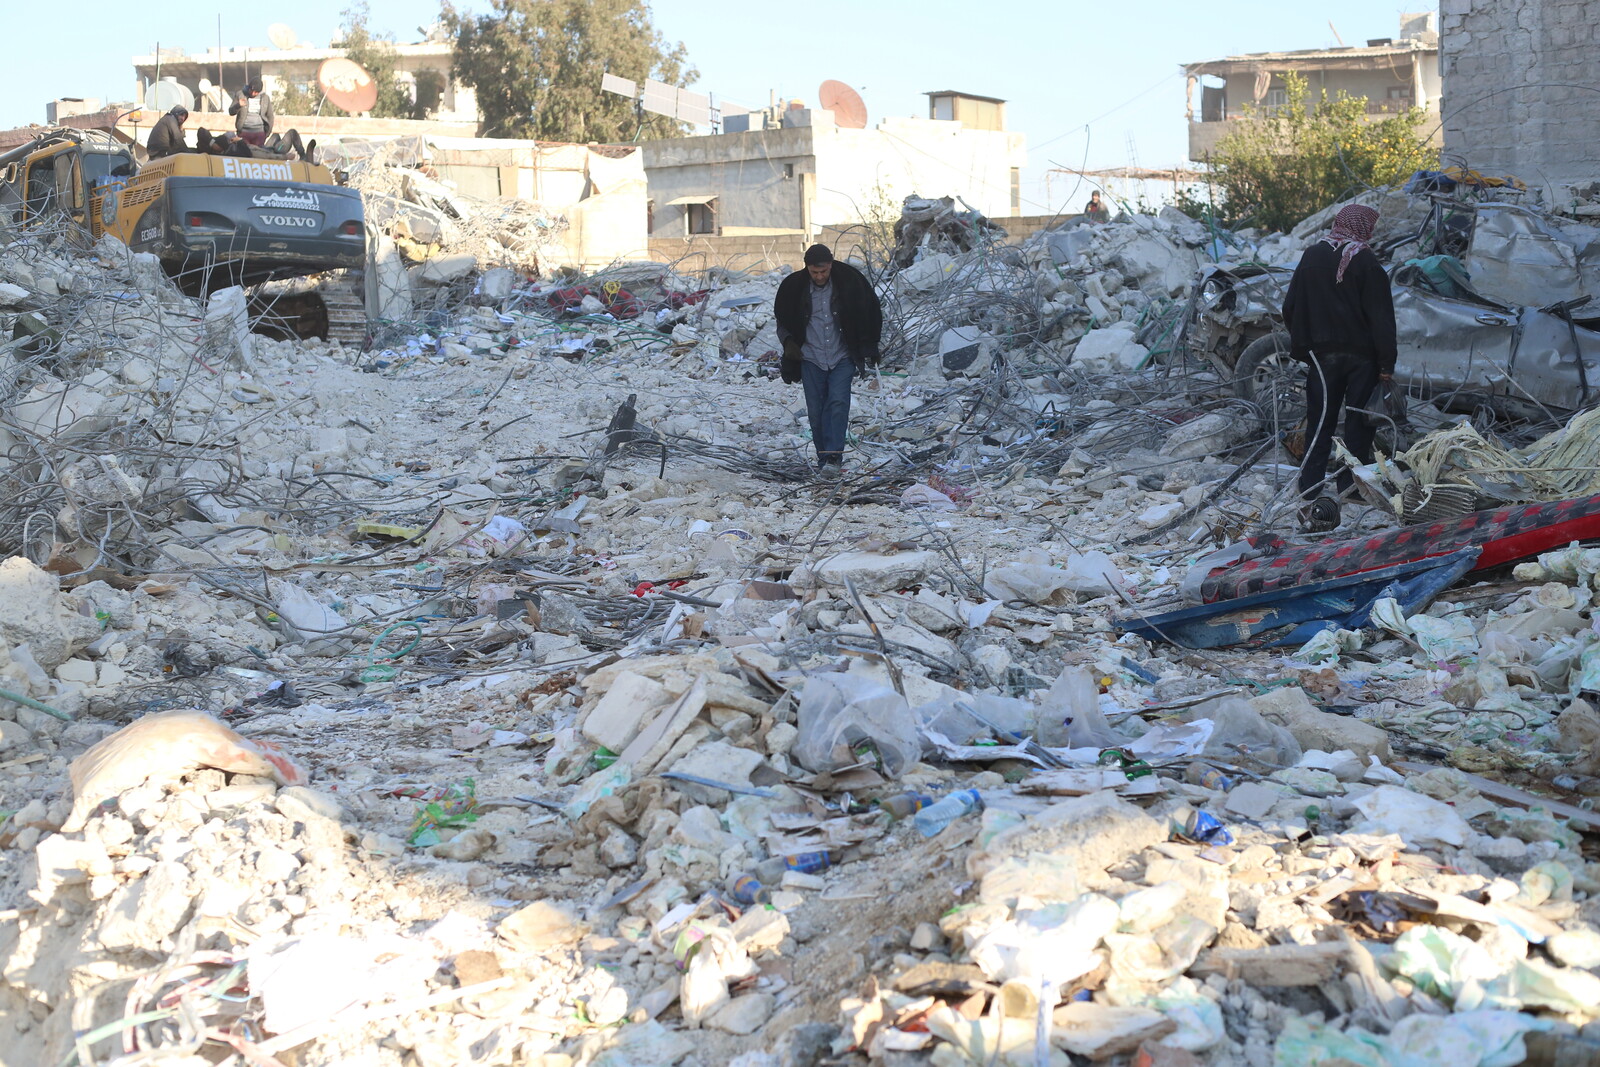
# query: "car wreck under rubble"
[[1494, 304]]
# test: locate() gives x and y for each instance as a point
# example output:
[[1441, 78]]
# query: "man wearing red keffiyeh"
[[1340, 315]]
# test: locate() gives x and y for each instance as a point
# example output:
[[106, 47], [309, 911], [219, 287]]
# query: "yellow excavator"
[[213, 221]]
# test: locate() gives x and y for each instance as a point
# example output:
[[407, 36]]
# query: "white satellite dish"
[[210, 95], [167, 94], [282, 37]]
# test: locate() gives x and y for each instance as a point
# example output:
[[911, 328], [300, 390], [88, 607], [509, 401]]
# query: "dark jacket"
[[243, 113], [855, 307], [1355, 315], [166, 138]]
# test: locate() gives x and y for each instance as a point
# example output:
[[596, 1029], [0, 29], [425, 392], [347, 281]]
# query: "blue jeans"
[[828, 406]]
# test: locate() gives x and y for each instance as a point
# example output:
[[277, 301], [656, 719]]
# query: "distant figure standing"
[[829, 320], [1340, 314], [166, 138], [254, 113], [1094, 210]]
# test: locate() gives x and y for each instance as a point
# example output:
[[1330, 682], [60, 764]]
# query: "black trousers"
[[1334, 380]]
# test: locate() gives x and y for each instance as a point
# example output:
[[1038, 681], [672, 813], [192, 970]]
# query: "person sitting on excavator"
[[166, 139]]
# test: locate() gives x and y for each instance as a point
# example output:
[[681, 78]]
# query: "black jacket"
[[166, 138], [1355, 315], [855, 306]]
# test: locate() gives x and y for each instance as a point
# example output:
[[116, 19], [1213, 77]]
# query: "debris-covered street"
[[509, 690]]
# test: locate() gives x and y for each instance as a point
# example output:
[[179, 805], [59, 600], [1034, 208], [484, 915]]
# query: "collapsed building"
[[506, 692]]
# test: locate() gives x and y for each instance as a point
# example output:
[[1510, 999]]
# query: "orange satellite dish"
[[347, 85], [848, 109]]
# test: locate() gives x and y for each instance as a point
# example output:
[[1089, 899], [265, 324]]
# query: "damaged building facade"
[[1391, 73], [810, 172], [422, 65]]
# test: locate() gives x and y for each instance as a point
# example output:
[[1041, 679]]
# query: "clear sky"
[[1091, 85]]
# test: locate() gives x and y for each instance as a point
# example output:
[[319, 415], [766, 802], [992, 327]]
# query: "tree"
[[1280, 166], [375, 53], [536, 67]]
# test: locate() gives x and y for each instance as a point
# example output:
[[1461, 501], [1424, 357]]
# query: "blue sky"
[[1092, 85]]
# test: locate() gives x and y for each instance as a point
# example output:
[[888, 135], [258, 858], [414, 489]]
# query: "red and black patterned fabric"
[[1505, 534], [619, 302]]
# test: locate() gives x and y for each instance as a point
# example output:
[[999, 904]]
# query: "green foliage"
[[1192, 203], [536, 67], [294, 100], [375, 53], [1295, 160]]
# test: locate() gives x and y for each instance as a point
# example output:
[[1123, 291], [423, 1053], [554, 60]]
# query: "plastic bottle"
[[747, 890], [904, 805], [1203, 774], [936, 817]]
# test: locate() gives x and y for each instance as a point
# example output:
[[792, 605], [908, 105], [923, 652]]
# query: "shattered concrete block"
[[1205, 436], [496, 284], [627, 707], [64, 412], [1101, 1031], [1098, 831], [303, 803], [227, 323], [927, 272], [1156, 264], [441, 270], [720, 762], [1315, 729], [742, 1015], [143, 913], [12, 295], [540, 926], [869, 572], [36, 614], [1111, 349]]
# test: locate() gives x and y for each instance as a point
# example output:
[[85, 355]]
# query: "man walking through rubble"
[[1340, 314], [829, 320]]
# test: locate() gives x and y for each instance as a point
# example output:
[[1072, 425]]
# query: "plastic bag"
[[841, 714], [1389, 399], [1241, 732], [1069, 716], [1420, 820], [967, 717], [1090, 573]]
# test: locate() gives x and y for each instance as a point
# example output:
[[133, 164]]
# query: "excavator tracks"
[[329, 305]]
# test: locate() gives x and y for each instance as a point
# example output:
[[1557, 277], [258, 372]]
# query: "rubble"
[[507, 692]]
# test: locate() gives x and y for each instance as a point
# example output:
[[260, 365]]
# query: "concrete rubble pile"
[[506, 693]]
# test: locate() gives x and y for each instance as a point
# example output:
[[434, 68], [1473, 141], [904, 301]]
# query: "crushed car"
[[1494, 306]]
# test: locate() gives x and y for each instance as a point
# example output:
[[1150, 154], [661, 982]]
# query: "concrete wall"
[[784, 251], [748, 172], [752, 253], [858, 171], [1488, 49], [599, 190], [809, 176]]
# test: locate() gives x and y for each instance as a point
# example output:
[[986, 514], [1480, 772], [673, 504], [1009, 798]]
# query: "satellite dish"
[[347, 85], [167, 94], [849, 111], [281, 36]]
